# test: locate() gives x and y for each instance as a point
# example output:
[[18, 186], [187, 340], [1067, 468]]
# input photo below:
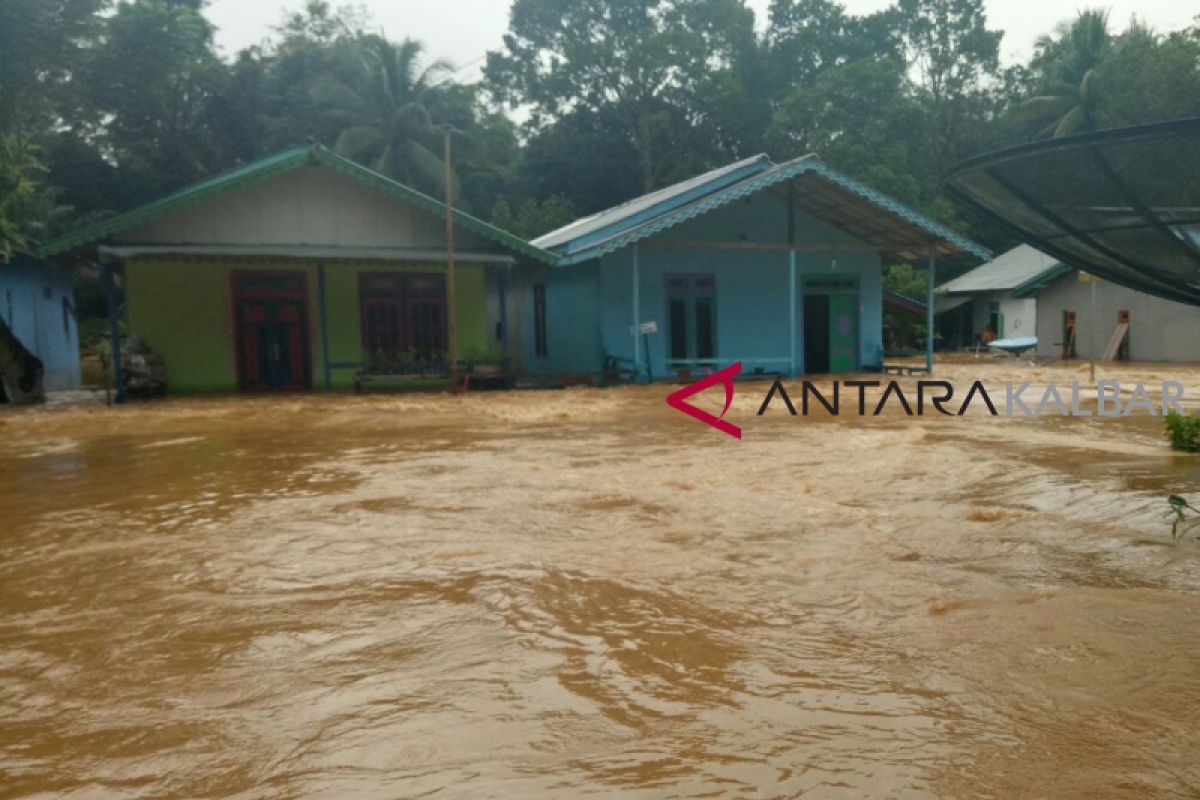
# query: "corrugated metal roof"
[[579, 233], [1003, 273], [278, 164], [912, 231]]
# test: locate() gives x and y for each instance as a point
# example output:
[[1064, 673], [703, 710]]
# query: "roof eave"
[[283, 162], [747, 168], [1040, 280], [759, 182]]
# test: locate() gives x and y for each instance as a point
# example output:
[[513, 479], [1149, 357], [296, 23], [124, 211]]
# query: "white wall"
[[1020, 314], [1159, 330], [1020, 317], [313, 205]]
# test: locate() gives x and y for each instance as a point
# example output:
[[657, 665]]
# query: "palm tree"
[[1069, 65], [386, 112], [22, 200]]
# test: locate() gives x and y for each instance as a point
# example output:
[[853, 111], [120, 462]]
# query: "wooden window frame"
[[541, 344], [697, 286]]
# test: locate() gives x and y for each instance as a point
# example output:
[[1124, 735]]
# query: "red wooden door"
[[271, 319]]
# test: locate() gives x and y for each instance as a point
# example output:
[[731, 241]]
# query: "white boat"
[[1014, 347]]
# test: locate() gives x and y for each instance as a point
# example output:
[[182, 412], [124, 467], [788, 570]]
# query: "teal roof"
[[272, 166], [1041, 280], [892, 225]]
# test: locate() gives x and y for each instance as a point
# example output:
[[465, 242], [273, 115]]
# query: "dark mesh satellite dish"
[[1123, 204]]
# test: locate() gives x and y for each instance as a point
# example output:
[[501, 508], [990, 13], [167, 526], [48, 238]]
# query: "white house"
[[983, 299]]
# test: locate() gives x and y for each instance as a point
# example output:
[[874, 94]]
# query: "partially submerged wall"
[[1160, 330]]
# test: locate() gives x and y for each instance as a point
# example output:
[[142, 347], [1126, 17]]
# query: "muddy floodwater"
[[584, 593]]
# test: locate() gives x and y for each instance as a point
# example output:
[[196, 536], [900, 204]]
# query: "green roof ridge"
[[270, 166], [1044, 277]]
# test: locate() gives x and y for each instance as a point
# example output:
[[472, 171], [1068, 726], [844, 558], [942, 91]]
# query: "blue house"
[[37, 302], [778, 266]]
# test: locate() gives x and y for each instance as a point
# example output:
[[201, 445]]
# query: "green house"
[[297, 271]]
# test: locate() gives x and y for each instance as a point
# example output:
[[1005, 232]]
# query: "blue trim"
[[757, 183], [758, 166], [903, 211]]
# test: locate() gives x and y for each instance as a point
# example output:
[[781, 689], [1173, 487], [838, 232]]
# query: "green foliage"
[[1087, 77], [150, 81], [530, 219], [558, 60], [907, 280], [488, 356], [105, 104], [1184, 516], [1067, 67], [902, 330], [42, 44], [25, 205], [1183, 431], [386, 112]]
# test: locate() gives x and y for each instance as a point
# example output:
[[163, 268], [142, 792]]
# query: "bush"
[[1186, 518], [1183, 431]]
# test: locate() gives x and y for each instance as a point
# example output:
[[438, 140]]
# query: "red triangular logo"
[[725, 376]]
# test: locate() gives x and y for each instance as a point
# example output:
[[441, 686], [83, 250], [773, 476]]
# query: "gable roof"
[[1022, 264], [578, 234], [1039, 282], [286, 161], [854, 207]]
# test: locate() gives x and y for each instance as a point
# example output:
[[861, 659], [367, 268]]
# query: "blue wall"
[[590, 306], [573, 317], [31, 303]]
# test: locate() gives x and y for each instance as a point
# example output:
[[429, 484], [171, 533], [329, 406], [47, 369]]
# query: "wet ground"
[[557, 594]]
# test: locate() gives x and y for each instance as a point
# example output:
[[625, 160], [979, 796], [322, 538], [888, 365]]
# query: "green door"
[[843, 332]]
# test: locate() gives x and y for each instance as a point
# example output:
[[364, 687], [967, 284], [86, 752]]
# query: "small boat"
[[1014, 347]]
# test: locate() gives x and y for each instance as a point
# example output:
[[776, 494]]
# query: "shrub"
[[1183, 431], [1186, 517]]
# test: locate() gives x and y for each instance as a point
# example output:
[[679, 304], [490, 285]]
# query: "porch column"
[[637, 311], [502, 293], [114, 331], [791, 238], [929, 316], [323, 310], [792, 330]]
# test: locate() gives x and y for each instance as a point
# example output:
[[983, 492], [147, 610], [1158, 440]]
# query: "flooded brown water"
[[555, 594]]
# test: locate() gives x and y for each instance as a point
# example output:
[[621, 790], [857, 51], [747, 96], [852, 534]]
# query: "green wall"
[[181, 309]]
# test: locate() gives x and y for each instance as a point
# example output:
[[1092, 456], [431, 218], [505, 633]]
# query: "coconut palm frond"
[[362, 143]]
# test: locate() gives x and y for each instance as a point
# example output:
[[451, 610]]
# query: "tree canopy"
[[105, 104]]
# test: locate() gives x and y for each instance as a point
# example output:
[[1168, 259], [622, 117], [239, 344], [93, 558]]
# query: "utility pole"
[[451, 286]]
